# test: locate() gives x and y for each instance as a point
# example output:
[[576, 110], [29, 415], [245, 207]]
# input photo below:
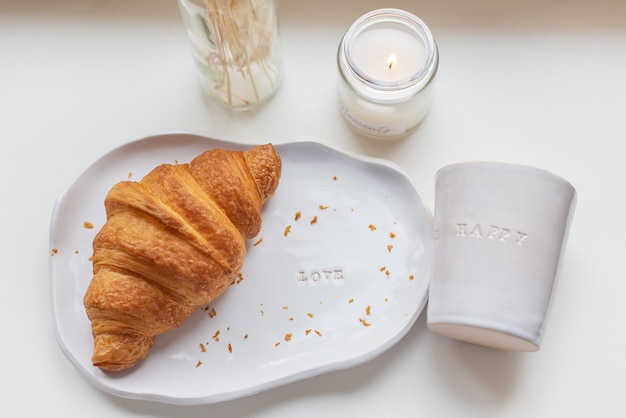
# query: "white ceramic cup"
[[500, 230]]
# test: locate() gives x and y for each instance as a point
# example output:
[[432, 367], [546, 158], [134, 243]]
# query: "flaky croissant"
[[172, 242]]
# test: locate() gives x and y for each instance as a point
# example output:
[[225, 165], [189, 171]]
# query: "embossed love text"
[[326, 276]]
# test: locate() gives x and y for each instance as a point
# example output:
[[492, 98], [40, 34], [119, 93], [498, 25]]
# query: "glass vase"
[[236, 47]]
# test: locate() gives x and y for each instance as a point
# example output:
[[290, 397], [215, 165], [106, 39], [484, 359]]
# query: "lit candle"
[[387, 61], [388, 54]]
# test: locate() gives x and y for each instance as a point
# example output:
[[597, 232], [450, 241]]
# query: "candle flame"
[[392, 60]]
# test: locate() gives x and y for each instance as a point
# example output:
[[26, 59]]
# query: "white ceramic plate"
[[330, 295]]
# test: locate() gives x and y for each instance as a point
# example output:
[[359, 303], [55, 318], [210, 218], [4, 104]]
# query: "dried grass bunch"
[[244, 34]]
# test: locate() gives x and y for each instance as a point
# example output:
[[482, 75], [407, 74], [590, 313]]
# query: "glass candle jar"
[[236, 47], [387, 62]]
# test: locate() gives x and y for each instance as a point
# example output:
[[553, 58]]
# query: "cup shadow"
[[474, 372]]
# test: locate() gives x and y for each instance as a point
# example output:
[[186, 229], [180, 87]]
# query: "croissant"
[[172, 242]]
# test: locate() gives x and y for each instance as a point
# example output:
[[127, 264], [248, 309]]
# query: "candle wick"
[[391, 60]]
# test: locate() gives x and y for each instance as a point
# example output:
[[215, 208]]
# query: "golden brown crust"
[[172, 242]]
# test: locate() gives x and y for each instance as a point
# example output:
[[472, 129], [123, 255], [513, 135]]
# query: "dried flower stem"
[[243, 33]]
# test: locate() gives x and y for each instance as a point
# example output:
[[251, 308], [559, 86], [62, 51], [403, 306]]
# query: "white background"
[[535, 82]]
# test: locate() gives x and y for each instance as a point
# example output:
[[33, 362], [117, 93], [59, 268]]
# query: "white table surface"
[[535, 82]]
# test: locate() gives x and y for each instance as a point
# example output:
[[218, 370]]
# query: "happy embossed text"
[[494, 232]]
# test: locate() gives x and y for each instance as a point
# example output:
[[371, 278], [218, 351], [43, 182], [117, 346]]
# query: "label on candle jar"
[[370, 128]]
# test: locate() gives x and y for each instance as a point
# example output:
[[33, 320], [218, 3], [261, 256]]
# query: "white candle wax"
[[388, 54]]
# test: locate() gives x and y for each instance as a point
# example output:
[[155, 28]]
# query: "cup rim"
[[507, 167]]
